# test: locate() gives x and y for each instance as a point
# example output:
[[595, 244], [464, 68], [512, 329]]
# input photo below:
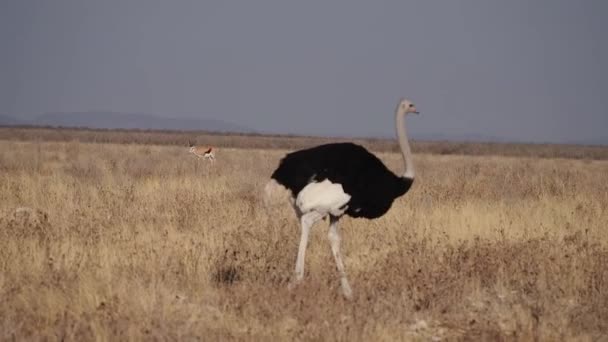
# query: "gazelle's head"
[[191, 146], [406, 106]]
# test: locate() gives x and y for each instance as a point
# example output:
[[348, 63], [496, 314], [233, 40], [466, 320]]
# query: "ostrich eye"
[[411, 105]]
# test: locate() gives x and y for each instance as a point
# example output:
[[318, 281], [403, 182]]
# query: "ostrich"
[[340, 179]]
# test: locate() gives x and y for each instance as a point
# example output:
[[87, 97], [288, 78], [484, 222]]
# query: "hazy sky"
[[518, 69]]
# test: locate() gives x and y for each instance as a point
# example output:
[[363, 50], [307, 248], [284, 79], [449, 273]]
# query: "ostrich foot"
[[293, 283], [346, 290]]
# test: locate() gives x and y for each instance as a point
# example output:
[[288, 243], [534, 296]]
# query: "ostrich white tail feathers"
[[276, 194]]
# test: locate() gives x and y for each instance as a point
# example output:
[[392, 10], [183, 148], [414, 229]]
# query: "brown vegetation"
[[145, 242]]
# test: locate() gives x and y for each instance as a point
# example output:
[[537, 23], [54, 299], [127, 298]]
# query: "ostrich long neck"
[[404, 144]]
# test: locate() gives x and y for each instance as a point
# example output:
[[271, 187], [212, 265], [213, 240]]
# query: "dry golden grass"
[[253, 141], [145, 242]]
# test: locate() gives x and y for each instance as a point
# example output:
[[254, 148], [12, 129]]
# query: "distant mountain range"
[[481, 138], [114, 120], [6, 120], [473, 138]]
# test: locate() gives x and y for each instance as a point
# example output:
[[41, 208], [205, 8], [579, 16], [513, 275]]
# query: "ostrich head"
[[406, 106]]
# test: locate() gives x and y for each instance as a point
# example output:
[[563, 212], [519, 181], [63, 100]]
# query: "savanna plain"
[[131, 240]]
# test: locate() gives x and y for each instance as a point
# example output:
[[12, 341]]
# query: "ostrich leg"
[[334, 239], [306, 221]]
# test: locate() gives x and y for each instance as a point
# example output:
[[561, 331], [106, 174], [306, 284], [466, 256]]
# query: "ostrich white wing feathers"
[[324, 197]]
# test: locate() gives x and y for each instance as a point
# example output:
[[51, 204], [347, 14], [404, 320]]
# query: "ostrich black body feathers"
[[371, 185]]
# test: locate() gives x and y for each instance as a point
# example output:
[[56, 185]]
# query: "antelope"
[[205, 152]]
